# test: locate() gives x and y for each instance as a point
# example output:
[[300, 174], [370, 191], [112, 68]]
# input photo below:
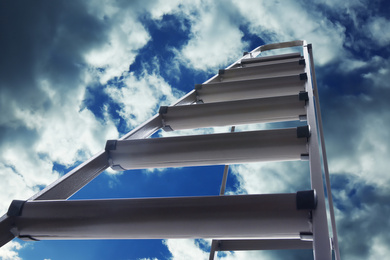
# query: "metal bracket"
[[306, 236], [303, 131], [306, 199], [16, 207], [302, 118], [110, 145], [303, 96], [305, 157], [163, 110]]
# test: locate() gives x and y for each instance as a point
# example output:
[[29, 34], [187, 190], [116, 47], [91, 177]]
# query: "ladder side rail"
[[321, 241], [324, 157], [214, 242]]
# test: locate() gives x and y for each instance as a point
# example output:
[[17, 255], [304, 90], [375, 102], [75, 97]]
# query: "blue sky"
[[76, 73]]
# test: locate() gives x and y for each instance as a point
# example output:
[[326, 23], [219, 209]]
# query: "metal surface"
[[264, 110], [321, 240], [212, 149], [274, 59], [271, 215], [325, 159], [262, 244], [225, 171], [5, 230], [247, 89], [280, 45], [70, 183], [260, 70]]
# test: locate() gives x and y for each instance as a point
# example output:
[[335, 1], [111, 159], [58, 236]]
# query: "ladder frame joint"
[[110, 145], [306, 236], [305, 157], [303, 76], [303, 131], [302, 118], [163, 110], [303, 96], [306, 200], [16, 207]]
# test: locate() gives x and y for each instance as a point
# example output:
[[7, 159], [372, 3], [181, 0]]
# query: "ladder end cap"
[[110, 145], [16, 208], [306, 200], [163, 110], [303, 131]]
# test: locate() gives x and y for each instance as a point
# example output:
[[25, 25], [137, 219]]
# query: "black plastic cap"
[[309, 46], [303, 131], [198, 86], [302, 62], [221, 72], [110, 145], [306, 236], [303, 76], [167, 128], [302, 118], [305, 157], [245, 53], [16, 207], [306, 199], [118, 168], [163, 110], [303, 96]]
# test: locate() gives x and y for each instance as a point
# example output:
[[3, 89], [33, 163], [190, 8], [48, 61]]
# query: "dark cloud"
[[43, 40], [363, 217]]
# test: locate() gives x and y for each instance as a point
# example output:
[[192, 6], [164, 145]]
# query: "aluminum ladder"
[[252, 90]]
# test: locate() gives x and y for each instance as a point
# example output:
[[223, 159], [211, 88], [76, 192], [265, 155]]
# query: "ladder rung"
[[285, 57], [262, 110], [253, 62], [250, 216], [262, 71], [211, 149], [248, 89], [262, 244]]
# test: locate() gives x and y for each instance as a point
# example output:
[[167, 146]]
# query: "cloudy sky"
[[76, 73]]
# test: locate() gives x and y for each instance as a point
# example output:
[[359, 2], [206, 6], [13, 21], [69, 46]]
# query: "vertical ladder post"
[[321, 241], [324, 157], [214, 243]]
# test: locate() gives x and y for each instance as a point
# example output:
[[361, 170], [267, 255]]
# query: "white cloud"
[[364, 119], [141, 96], [9, 251], [277, 177], [185, 249], [215, 40], [377, 28], [277, 21], [119, 51], [379, 249]]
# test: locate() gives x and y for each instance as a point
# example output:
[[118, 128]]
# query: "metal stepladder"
[[252, 90]]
